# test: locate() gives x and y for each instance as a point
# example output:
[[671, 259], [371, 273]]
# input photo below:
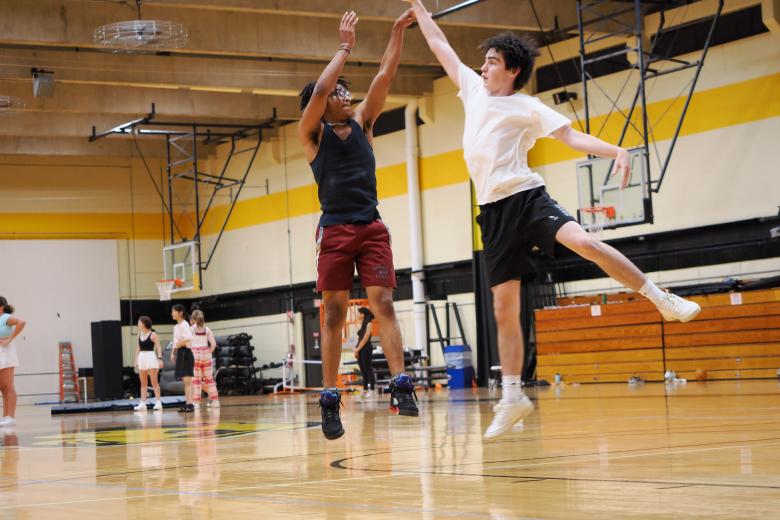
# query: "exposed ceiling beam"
[[71, 24], [58, 124], [211, 74], [79, 146], [497, 14], [72, 98]]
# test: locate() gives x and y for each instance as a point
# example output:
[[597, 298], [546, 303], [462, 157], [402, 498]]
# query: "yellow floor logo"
[[117, 436]]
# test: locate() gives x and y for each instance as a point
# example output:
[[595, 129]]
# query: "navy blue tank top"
[[345, 171]]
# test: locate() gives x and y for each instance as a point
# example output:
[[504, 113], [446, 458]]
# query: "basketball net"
[[598, 217], [165, 289]]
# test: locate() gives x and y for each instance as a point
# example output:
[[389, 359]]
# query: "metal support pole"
[[170, 185], [583, 71]]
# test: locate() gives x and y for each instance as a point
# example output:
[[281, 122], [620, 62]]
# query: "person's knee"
[[505, 311], [335, 314], [383, 307]]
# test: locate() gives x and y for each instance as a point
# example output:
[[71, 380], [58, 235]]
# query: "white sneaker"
[[7, 421], [672, 307], [507, 414], [140, 407], [214, 404], [158, 406]]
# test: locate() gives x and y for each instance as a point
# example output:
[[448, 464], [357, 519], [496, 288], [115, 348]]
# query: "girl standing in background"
[[10, 327], [148, 360], [182, 354], [203, 345]]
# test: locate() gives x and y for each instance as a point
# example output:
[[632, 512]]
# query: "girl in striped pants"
[[203, 345]]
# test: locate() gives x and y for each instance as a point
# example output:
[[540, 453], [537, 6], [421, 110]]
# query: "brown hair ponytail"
[[7, 307]]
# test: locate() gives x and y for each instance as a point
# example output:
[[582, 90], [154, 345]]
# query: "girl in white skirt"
[[148, 360], [10, 327]]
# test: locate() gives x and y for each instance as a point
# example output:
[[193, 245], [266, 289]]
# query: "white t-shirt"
[[498, 133], [182, 331]]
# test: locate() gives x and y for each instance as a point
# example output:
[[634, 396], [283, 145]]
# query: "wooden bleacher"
[[586, 341]]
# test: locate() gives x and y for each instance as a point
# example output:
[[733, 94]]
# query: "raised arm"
[[367, 112], [312, 114], [436, 40], [595, 146]]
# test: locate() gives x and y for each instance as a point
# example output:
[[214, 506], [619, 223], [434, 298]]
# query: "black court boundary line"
[[339, 464]]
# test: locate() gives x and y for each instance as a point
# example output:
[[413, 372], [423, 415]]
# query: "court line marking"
[[567, 435], [433, 470], [209, 493]]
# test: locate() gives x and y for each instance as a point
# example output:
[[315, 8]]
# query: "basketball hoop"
[[166, 288], [598, 217]]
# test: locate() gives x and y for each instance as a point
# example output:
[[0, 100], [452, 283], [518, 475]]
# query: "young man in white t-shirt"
[[516, 213]]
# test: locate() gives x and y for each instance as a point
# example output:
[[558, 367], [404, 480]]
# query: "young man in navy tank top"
[[337, 141]]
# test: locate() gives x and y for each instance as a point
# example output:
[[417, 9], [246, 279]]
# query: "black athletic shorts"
[[185, 363], [514, 228]]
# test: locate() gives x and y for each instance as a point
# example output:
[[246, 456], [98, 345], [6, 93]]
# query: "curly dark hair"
[[308, 90], [519, 52]]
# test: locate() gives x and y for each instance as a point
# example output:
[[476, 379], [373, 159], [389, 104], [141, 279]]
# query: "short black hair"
[[308, 90], [519, 52], [180, 308], [146, 320]]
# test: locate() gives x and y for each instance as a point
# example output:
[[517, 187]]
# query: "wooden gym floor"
[[591, 451]]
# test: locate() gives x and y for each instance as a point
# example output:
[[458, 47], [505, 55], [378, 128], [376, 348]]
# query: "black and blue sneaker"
[[330, 404], [403, 399]]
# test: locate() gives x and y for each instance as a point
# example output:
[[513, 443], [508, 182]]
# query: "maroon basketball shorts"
[[341, 247]]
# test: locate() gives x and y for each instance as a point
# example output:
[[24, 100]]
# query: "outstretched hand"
[[347, 28], [622, 168], [406, 19]]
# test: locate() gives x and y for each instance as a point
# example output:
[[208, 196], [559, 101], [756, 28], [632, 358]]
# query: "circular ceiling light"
[[141, 35]]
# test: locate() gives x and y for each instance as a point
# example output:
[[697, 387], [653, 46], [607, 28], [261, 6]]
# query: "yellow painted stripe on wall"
[[441, 170], [98, 225], [709, 110], [721, 107], [738, 103]]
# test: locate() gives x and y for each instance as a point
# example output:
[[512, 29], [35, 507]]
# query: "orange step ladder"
[[69, 384]]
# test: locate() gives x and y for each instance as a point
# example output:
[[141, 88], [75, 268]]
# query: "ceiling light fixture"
[[141, 35]]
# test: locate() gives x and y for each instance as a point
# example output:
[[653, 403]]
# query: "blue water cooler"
[[460, 369]]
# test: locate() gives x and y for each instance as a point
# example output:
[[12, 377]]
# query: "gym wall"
[[59, 287], [723, 169]]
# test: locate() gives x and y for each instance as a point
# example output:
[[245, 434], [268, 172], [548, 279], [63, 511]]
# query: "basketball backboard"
[[597, 188], [180, 262]]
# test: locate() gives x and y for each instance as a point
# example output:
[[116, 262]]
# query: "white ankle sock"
[[651, 291], [511, 389]]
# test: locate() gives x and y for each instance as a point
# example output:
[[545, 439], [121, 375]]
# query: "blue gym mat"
[[118, 405]]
